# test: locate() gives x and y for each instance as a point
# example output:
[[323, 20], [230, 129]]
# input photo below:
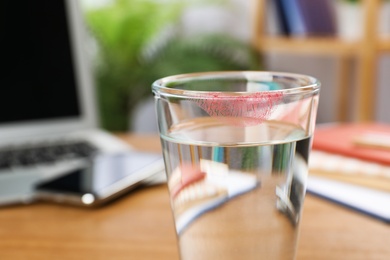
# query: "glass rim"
[[160, 85]]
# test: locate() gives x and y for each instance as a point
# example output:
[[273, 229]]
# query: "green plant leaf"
[[126, 68]]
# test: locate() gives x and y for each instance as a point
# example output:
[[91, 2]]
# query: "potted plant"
[[139, 42]]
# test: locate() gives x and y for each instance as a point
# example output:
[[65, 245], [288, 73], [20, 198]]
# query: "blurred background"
[[134, 42]]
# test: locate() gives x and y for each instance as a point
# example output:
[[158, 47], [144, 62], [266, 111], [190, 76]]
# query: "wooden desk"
[[140, 226]]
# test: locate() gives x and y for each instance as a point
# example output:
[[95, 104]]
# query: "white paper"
[[369, 201]]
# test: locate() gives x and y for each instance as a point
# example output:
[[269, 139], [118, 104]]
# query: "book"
[[306, 17], [273, 24], [350, 170], [319, 17], [293, 17], [281, 14], [372, 202], [350, 165], [356, 140]]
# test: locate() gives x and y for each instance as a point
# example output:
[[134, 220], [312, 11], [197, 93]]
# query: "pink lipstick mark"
[[250, 109]]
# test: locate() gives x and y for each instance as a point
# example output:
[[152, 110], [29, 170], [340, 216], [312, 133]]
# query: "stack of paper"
[[350, 164]]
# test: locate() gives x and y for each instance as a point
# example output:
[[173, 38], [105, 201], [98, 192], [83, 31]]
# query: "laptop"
[[47, 96]]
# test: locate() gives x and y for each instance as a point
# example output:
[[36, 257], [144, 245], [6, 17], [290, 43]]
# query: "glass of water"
[[236, 148]]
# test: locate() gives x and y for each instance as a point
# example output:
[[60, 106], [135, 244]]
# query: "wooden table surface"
[[140, 226]]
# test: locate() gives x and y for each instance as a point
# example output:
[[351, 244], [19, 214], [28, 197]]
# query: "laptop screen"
[[38, 80], [46, 79]]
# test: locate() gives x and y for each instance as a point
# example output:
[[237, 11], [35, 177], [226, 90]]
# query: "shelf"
[[384, 44], [310, 46], [316, 45], [364, 50]]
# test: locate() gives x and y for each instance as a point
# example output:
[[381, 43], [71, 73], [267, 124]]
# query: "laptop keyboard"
[[45, 153]]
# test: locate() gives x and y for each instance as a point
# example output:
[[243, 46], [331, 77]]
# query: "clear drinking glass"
[[236, 147]]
